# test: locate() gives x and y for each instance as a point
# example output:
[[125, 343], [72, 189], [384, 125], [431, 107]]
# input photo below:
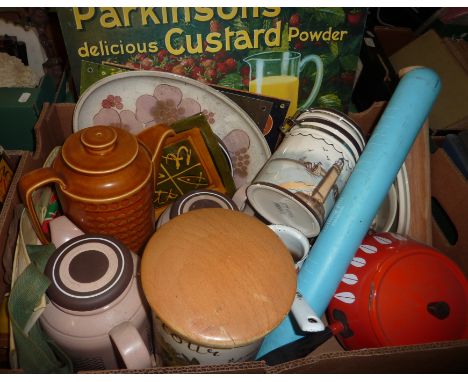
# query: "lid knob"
[[99, 140], [439, 309]]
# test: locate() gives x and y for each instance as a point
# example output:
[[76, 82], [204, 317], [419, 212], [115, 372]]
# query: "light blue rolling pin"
[[361, 197]]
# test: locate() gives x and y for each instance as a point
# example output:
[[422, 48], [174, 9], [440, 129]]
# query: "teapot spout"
[[154, 139]]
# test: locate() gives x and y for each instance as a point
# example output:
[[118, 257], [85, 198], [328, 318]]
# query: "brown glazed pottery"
[[104, 179]]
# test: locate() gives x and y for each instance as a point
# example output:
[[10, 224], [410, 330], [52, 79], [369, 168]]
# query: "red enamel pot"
[[399, 292]]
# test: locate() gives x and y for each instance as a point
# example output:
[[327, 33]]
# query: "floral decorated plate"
[[140, 99]]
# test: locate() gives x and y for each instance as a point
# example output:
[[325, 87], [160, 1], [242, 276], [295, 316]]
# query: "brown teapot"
[[104, 179]]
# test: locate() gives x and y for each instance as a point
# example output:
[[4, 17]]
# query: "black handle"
[[297, 349], [439, 309]]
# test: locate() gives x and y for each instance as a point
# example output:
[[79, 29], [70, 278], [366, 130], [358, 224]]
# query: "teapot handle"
[[131, 346], [154, 138], [318, 78], [29, 183]]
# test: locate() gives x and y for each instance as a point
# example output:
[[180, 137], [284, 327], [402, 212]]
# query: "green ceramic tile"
[[220, 161]]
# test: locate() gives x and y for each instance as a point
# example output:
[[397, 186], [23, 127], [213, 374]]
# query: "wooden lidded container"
[[217, 282]]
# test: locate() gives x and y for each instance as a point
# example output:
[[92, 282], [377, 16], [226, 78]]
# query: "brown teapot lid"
[[218, 277], [100, 149]]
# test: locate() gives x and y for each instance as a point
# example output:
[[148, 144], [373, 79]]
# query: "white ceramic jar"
[[300, 183]]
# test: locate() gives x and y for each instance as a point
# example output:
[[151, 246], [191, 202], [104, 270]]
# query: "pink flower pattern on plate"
[[165, 105], [209, 116], [112, 101], [238, 142]]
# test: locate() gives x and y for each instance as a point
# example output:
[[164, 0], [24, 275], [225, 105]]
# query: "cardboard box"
[[55, 124], [9, 219], [19, 111], [450, 206], [450, 110]]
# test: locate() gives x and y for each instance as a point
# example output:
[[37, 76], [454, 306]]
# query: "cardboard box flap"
[[450, 189], [431, 51], [435, 357], [8, 225], [52, 128], [230, 368]]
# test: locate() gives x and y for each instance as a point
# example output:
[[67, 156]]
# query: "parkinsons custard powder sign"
[[305, 55]]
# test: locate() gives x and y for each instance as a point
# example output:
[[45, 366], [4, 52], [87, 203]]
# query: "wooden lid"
[[218, 277]]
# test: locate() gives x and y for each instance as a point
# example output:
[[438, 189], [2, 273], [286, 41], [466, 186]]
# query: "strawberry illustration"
[[245, 71], [162, 54], [215, 26], [208, 63], [211, 74], [231, 64], [188, 62], [294, 20], [222, 67], [298, 45], [347, 78], [195, 72], [220, 56], [146, 63], [354, 18], [168, 67], [202, 79], [140, 56], [178, 69], [133, 65]]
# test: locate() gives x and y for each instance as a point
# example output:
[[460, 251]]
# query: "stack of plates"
[[394, 213]]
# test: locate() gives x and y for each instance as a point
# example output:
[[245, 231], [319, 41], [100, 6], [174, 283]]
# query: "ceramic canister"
[[104, 179], [300, 183], [216, 293], [194, 200], [97, 313]]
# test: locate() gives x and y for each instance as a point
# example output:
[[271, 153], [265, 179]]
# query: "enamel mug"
[[295, 241]]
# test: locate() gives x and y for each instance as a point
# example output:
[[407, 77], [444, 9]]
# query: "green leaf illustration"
[[239, 25], [327, 59], [329, 16], [330, 101], [334, 49], [284, 38], [349, 62], [232, 80]]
